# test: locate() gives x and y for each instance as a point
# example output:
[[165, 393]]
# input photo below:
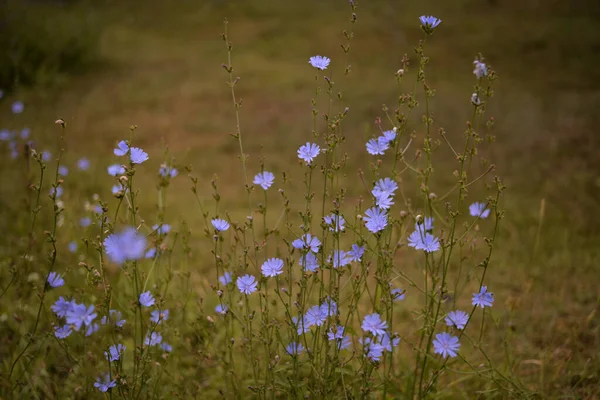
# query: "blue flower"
[[25, 132], [150, 253], [293, 349], [62, 170], [398, 294], [55, 280], [340, 259], [376, 219], [377, 146], [220, 225], [389, 136], [72, 246], [385, 187], [315, 316], [6, 135], [308, 152], [264, 179], [157, 316], [118, 188], [329, 307], [373, 323], [427, 223], [272, 267], [114, 352], [429, 23], [221, 309], [336, 222], [167, 171], [125, 246], [457, 318], [480, 69], [116, 169], [17, 107], [79, 315], [115, 316], [307, 242], [83, 164], [384, 202], [138, 155], [309, 262], [479, 210], [153, 339], [106, 384], [356, 253], [146, 299], [423, 241], [46, 156], [247, 284], [58, 191], [446, 345], [166, 347], [85, 222], [483, 298], [91, 329], [122, 148], [337, 334], [388, 342], [372, 349], [61, 307], [319, 62], [301, 325], [225, 279], [63, 331], [162, 229]]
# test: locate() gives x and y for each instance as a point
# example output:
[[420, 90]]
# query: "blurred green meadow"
[[157, 66]]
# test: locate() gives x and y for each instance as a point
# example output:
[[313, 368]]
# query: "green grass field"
[[160, 69]]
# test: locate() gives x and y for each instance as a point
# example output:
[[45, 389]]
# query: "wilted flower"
[[480, 69]]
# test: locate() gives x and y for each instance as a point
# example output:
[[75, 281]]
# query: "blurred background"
[[105, 65]]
